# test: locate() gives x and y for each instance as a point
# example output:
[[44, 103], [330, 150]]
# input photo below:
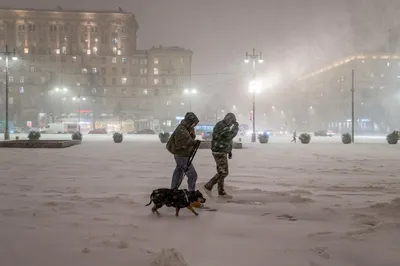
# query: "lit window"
[[123, 81], [21, 80], [94, 70], [145, 91], [114, 60], [84, 71], [119, 52], [57, 51], [64, 50], [156, 61], [88, 52], [94, 90], [74, 59], [21, 90], [114, 49], [143, 71], [31, 69], [182, 60], [123, 60], [388, 64], [156, 81], [169, 123], [168, 102], [155, 71], [26, 50], [95, 50]]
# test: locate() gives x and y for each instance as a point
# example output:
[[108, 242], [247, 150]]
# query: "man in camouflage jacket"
[[181, 145], [221, 146]]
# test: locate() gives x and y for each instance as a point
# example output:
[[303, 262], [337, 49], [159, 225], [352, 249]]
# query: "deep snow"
[[319, 204]]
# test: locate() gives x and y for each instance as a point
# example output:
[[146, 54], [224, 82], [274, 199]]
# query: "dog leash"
[[191, 157]]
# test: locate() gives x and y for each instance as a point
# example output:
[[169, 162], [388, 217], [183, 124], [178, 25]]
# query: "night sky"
[[295, 36]]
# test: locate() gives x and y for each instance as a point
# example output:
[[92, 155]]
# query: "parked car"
[[59, 128], [207, 135], [98, 131], [18, 130], [324, 133], [146, 131]]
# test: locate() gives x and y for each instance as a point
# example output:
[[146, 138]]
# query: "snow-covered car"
[[324, 133]]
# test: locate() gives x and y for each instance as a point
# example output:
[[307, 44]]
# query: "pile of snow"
[[169, 257]]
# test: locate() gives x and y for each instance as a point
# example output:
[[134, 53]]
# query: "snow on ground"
[[294, 204]]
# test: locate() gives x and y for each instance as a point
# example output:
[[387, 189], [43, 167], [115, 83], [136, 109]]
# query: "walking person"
[[221, 146], [294, 137], [181, 144]]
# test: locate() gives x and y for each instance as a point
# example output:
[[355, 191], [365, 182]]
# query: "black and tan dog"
[[177, 198]]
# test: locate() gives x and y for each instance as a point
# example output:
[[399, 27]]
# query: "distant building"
[[322, 99], [87, 61]]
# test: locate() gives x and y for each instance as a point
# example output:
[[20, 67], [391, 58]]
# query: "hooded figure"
[[181, 145], [221, 146]]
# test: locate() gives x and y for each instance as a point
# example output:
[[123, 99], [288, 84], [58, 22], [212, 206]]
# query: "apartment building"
[[86, 64], [322, 99]]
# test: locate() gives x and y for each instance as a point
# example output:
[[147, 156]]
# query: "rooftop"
[[348, 60], [60, 9]]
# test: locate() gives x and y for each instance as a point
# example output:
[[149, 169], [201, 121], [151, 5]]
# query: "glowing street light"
[[254, 86], [190, 92]]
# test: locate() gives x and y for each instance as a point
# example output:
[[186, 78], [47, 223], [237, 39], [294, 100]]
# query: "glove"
[[193, 134], [230, 155]]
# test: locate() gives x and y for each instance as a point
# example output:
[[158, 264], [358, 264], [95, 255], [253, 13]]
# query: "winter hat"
[[191, 118], [230, 118]]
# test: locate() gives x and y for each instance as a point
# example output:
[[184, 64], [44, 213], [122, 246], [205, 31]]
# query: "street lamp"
[[253, 86], [7, 54], [190, 92]]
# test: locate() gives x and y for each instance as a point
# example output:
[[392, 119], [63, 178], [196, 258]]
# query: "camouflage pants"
[[221, 159]]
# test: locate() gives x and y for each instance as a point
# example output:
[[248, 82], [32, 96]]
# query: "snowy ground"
[[294, 204]]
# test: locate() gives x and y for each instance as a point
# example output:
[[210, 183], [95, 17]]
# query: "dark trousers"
[[177, 177]]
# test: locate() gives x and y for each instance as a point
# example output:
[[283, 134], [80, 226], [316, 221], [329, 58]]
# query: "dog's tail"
[[151, 199]]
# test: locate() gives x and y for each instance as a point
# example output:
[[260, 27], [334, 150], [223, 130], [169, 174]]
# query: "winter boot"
[[224, 195], [208, 190]]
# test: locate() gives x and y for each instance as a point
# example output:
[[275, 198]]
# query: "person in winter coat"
[[181, 145], [294, 136], [221, 147]]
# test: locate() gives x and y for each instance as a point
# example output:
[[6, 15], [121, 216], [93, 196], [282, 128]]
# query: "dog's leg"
[[177, 211], [155, 210], [192, 210]]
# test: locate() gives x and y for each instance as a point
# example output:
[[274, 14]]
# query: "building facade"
[[85, 65], [322, 99]]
